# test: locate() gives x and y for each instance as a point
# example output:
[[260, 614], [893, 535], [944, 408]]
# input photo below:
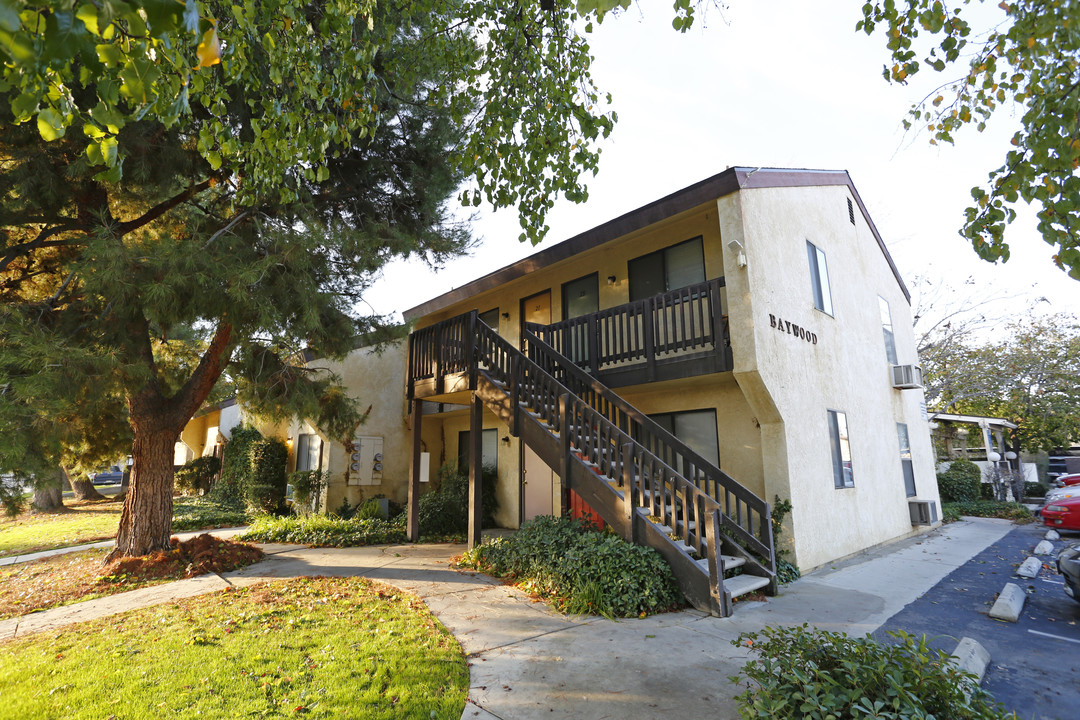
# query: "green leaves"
[[1029, 64]]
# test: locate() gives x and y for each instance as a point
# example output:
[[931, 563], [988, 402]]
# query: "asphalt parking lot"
[[1035, 662]]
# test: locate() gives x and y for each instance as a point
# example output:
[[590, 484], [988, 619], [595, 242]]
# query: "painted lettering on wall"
[[791, 329]]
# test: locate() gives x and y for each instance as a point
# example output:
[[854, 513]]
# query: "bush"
[[1034, 490], [267, 486], [196, 476], [986, 508], [441, 514], [236, 466], [323, 531], [306, 485], [581, 570], [205, 512], [806, 672], [962, 481], [455, 481]]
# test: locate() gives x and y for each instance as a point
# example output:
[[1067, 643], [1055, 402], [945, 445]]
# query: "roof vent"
[[850, 211]]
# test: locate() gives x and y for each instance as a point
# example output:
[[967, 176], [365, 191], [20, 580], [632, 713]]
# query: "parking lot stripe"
[[1056, 637]]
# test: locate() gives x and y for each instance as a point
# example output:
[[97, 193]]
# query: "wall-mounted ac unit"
[[906, 377], [923, 512]]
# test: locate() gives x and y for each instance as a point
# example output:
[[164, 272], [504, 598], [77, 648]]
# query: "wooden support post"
[[564, 439], [594, 346], [476, 464], [649, 316], [412, 529], [630, 492], [719, 601]]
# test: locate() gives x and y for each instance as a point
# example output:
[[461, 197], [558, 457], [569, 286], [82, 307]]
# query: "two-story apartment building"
[[677, 369]]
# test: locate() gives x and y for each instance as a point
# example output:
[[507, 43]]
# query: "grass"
[[77, 523], [324, 531], [91, 521], [312, 647], [75, 577]]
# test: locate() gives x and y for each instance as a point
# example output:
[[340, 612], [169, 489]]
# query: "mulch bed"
[[64, 579]]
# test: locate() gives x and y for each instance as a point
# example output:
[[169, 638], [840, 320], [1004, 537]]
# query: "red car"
[[1067, 480], [1063, 514]]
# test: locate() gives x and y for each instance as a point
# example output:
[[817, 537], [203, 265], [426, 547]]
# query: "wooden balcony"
[[680, 334]]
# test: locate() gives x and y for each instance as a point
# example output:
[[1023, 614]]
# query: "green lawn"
[[315, 647], [84, 522]]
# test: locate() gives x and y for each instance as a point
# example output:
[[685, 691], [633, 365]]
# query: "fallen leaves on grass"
[[64, 579]]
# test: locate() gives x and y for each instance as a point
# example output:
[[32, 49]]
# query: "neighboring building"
[[743, 339], [978, 439], [208, 431]]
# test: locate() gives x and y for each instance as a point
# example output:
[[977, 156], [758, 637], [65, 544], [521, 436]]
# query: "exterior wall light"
[[610, 279]]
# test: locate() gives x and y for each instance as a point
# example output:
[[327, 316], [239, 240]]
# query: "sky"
[[773, 83]]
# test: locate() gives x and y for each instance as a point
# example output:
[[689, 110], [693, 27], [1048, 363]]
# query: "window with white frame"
[[843, 476], [905, 459], [886, 328], [819, 278], [308, 452]]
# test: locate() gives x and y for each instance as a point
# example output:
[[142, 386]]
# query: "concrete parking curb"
[[972, 657], [1009, 603], [1029, 568]]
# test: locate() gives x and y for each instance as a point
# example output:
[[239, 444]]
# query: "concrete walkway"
[[528, 662]]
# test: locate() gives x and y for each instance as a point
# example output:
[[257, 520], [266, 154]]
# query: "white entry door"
[[538, 486]]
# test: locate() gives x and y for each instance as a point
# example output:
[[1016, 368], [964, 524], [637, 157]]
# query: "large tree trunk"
[[48, 494], [146, 520], [82, 487]]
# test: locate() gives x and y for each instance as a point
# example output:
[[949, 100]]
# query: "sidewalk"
[[528, 662]]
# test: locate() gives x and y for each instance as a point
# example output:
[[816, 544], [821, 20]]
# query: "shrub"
[[324, 531], [962, 481], [440, 513], [306, 485], [806, 672], [581, 570], [986, 508], [196, 476], [1034, 490], [267, 485], [236, 465], [786, 571], [455, 481]]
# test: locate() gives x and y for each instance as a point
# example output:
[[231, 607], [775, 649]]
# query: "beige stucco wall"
[[377, 380], [791, 383]]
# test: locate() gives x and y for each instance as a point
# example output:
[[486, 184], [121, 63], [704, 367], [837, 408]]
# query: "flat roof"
[[731, 180], [974, 419]]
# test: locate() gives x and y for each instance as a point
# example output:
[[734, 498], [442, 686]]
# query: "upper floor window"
[[886, 328], [668, 269], [843, 477], [819, 278]]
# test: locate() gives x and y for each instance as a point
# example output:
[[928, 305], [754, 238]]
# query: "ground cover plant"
[[75, 524], [74, 577], [809, 673], [309, 647], [324, 531], [579, 569], [205, 513], [1016, 512]]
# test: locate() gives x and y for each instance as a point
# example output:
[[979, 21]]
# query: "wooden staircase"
[[642, 481]]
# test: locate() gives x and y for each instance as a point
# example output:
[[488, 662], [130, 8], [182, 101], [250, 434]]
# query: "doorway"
[[537, 486], [536, 309]]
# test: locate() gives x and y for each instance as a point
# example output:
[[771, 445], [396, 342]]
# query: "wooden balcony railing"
[[682, 325]]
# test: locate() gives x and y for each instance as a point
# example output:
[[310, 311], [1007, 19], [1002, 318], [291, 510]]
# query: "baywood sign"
[[791, 329]]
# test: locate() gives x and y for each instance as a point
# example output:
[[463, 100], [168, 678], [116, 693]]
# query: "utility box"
[[366, 461]]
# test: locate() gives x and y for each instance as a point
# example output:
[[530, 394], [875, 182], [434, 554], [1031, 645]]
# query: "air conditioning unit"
[[923, 512], [905, 377]]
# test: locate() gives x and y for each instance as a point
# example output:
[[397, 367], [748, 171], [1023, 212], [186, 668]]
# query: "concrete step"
[[742, 584], [730, 562]]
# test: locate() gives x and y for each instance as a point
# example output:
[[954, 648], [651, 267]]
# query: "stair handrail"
[[718, 477]]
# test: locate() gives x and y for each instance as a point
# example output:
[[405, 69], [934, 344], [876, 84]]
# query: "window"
[[308, 452], [490, 318], [819, 278], [668, 269], [696, 428], [843, 477], [580, 297], [489, 449], [905, 459], [886, 327]]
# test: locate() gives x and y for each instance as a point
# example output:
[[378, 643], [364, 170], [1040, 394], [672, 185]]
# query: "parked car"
[[1061, 493], [1068, 563], [113, 476], [1063, 514], [1066, 480]]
